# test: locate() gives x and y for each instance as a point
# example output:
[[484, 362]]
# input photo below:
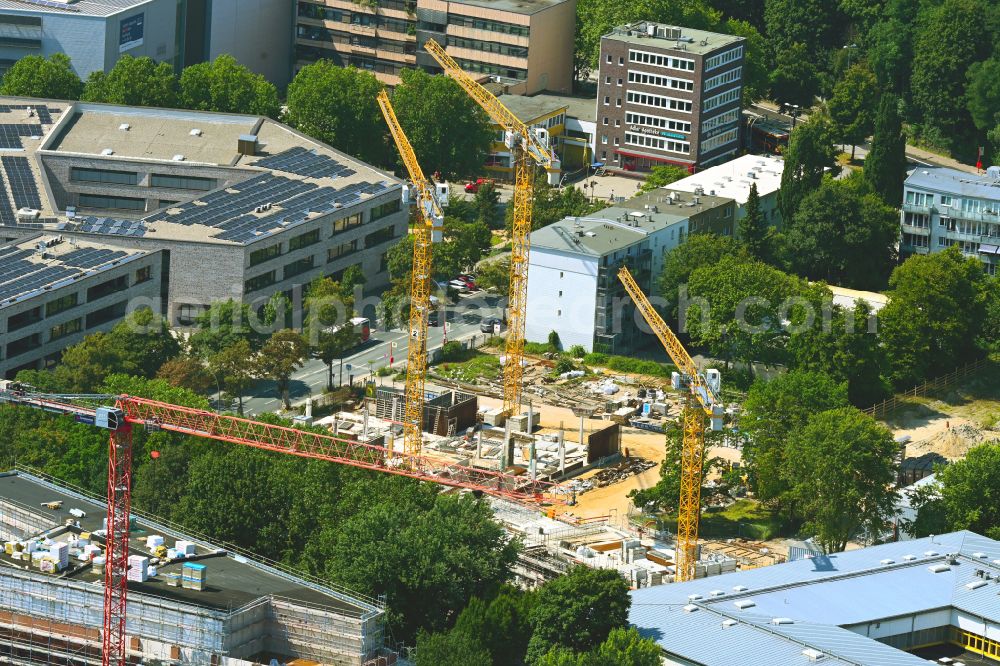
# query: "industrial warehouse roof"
[[231, 580], [770, 615], [291, 179], [84, 7], [40, 263], [952, 181]]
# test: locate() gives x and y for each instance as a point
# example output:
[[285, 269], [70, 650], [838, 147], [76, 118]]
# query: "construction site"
[[192, 603]]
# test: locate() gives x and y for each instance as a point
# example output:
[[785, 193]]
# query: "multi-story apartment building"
[[573, 285], [242, 207], [944, 207], [525, 44], [668, 95]]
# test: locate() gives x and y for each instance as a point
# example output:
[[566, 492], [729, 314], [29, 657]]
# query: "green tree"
[[471, 241], [233, 369], [753, 230], [552, 204], [794, 79], [36, 76], [187, 372], [133, 82], [810, 152], [970, 491], [772, 412], [841, 470], [227, 86], [815, 24], [931, 515], [737, 307], [665, 495], [455, 648], [698, 251], [487, 206], [934, 316], [280, 356], [982, 95], [85, 365], [889, 46], [843, 233], [338, 106], [494, 275], [852, 106], [448, 130], [885, 166], [501, 625], [145, 341], [578, 611], [223, 324], [843, 345], [626, 647], [663, 175], [942, 54]]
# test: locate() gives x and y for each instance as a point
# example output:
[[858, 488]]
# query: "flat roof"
[[42, 262], [953, 181], [698, 42], [100, 8], [768, 615], [732, 179], [605, 231], [514, 6], [231, 580], [290, 180], [24, 124], [677, 202], [529, 109]]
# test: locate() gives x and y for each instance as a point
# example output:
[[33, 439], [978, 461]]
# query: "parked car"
[[488, 324], [467, 280], [473, 186], [459, 286]]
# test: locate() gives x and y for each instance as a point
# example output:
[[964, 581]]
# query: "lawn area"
[[470, 367], [745, 519]]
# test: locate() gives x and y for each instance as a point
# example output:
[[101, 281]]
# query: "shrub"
[[554, 342], [564, 365], [452, 351], [636, 366], [577, 351]]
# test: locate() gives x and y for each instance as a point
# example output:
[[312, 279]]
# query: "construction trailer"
[[247, 612]]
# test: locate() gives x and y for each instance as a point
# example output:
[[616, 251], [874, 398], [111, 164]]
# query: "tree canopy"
[[227, 86], [810, 152], [886, 166], [133, 82], [970, 491], [37, 76]]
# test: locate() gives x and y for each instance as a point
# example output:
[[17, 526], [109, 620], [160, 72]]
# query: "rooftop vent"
[[716, 593], [195, 132], [247, 144], [812, 654], [976, 584], [178, 158], [740, 588], [930, 553], [124, 127], [694, 597], [886, 561], [690, 608], [981, 556], [743, 604], [782, 620], [107, 151], [909, 558], [939, 568]]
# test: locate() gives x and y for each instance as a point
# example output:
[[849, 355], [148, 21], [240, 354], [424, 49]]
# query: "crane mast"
[[528, 150], [424, 235], [702, 399]]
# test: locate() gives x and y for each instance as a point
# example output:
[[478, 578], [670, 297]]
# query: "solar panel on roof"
[[304, 162], [22, 182]]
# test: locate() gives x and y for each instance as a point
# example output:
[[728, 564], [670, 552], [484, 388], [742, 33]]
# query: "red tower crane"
[[152, 415]]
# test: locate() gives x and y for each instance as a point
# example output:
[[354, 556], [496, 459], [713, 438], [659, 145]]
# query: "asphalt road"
[[462, 322]]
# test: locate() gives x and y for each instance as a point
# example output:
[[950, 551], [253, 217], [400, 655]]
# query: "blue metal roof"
[[954, 182], [821, 596]]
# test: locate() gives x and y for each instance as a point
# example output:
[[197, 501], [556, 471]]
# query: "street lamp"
[[849, 48]]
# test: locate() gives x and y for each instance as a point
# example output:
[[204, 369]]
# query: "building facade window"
[[81, 175], [719, 140], [342, 250], [724, 58], [490, 26], [345, 223], [720, 120], [379, 237], [657, 121], [188, 313], [659, 101], [646, 141], [62, 304], [303, 240], [260, 282], [66, 328], [106, 288], [106, 314], [23, 345], [22, 319], [299, 267], [110, 203], [726, 97], [919, 198], [489, 47], [182, 182], [660, 60], [730, 76], [388, 208], [144, 274], [660, 81], [920, 220], [265, 254]]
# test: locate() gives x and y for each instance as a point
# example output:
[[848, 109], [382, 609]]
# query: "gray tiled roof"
[[954, 182]]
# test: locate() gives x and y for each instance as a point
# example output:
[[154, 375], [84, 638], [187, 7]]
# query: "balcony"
[[923, 210], [911, 229]]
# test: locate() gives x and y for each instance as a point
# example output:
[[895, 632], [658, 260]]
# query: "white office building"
[[734, 179]]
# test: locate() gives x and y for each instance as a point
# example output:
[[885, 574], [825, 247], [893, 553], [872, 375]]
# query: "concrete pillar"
[[309, 408], [562, 450], [479, 443], [532, 462], [583, 445], [506, 451]]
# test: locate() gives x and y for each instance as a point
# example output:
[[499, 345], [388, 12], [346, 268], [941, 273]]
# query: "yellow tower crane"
[[424, 235], [530, 149], [702, 400]]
